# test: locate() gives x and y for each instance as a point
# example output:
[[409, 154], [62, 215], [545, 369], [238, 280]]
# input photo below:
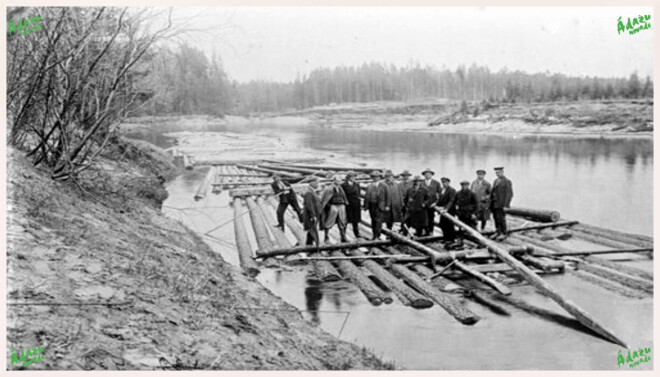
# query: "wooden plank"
[[248, 264], [580, 314]]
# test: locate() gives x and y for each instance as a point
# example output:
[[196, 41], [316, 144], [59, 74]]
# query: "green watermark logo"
[[25, 26], [28, 356], [637, 24], [643, 355]]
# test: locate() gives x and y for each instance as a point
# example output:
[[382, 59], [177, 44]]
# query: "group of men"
[[410, 202]]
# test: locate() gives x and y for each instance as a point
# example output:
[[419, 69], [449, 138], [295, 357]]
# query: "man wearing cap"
[[466, 208], [287, 197], [375, 201], [334, 203], [353, 211], [311, 213], [395, 200], [433, 188], [481, 189], [416, 201], [500, 198], [446, 201]]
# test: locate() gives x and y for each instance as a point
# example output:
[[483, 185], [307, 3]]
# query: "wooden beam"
[[580, 314]]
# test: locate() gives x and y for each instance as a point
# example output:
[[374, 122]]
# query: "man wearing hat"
[[433, 188], [375, 201], [466, 204], [446, 201], [353, 210], [500, 198], [406, 183], [481, 189], [287, 197], [395, 200], [311, 213], [416, 201], [334, 203]]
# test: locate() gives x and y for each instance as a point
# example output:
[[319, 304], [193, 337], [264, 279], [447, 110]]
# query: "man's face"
[[404, 177], [499, 173], [428, 175], [445, 184], [481, 175], [464, 187]]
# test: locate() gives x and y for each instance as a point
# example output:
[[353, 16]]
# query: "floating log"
[[260, 232], [581, 229], [242, 175], [341, 246], [540, 215], [293, 169], [550, 234], [280, 238], [439, 282], [607, 284], [333, 168], [374, 294], [254, 161], [323, 269], [269, 171], [407, 295], [582, 316], [598, 240], [187, 164], [204, 187], [468, 270], [448, 302], [535, 227], [611, 233], [619, 277], [243, 243], [544, 264], [434, 254], [592, 259], [598, 252], [217, 181]]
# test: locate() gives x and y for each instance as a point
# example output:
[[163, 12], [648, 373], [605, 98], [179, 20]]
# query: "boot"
[[342, 232], [356, 230], [327, 238]]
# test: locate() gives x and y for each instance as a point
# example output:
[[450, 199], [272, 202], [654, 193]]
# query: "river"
[[601, 181]]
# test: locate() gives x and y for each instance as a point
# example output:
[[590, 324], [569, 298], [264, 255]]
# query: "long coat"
[[466, 203], [353, 212], [482, 191], [447, 199], [377, 195], [312, 210], [416, 201], [502, 193], [433, 188], [395, 199]]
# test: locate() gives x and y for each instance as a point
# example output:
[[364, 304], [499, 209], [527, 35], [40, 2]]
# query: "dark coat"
[[502, 193], [311, 209], [415, 203], [466, 203], [447, 200], [286, 198], [353, 211], [433, 189], [377, 196]]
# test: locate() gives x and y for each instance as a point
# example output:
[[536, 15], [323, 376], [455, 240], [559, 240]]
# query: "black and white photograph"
[[328, 188]]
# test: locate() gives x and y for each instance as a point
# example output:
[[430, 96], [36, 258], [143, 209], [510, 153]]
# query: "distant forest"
[[186, 82]]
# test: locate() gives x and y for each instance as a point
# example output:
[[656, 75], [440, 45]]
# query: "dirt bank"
[[608, 118], [97, 275]]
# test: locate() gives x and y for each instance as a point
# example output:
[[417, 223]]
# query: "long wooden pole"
[[332, 168], [434, 254], [541, 215], [243, 242], [536, 227], [580, 314], [269, 171]]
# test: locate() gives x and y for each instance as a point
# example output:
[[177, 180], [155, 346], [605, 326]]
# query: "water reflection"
[[313, 297]]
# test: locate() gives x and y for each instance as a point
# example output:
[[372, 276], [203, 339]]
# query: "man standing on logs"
[[311, 214], [433, 188], [395, 200], [500, 198], [416, 200], [353, 210], [447, 201], [334, 203], [466, 208], [482, 188], [287, 196], [375, 201]]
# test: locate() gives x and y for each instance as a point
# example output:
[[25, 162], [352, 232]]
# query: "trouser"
[[312, 236], [467, 220], [281, 209], [500, 220], [356, 228], [448, 231], [430, 218], [376, 220]]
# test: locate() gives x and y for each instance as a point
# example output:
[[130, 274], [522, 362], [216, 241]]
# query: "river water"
[[606, 182]]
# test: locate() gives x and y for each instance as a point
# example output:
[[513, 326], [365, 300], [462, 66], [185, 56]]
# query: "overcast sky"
[[279, 43]]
